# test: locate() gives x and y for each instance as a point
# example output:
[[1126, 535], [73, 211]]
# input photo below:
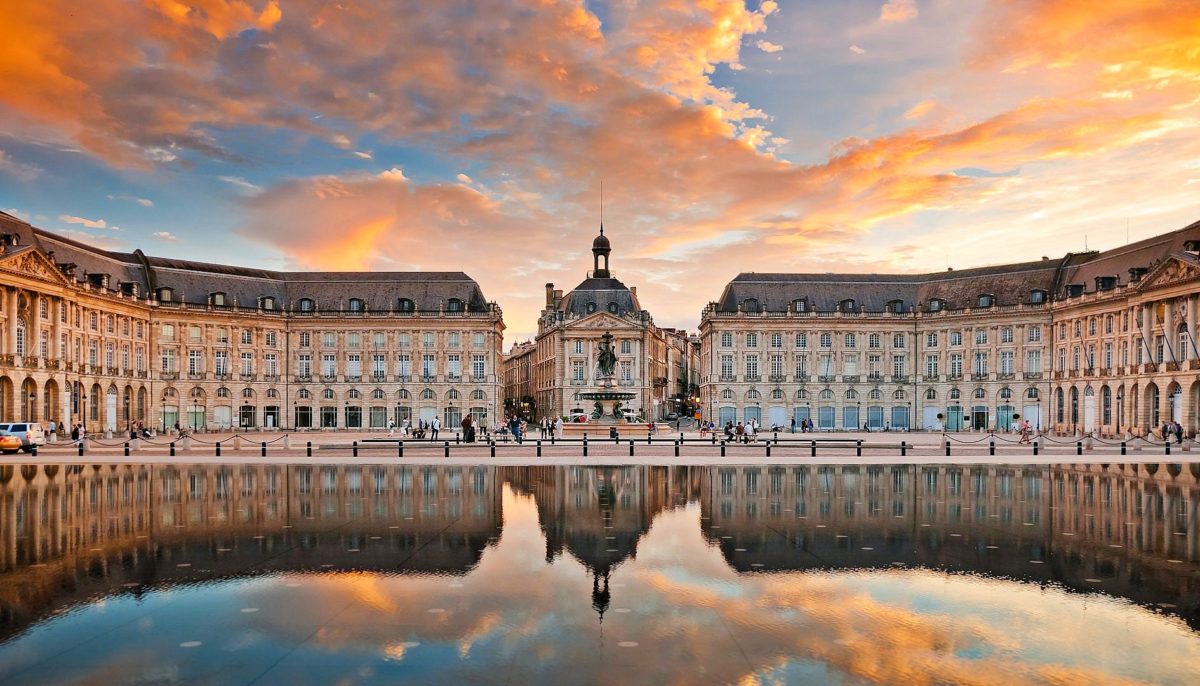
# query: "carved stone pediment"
[[1171, 271], [602, 321], [31, 262]]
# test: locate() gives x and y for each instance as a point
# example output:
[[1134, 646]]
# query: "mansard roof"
[[600, 295], [193, 281]]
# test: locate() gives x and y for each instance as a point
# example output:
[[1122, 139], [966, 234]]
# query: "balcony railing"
[[428, 378], [979, 377], [802, 378], [1006, 376], [246, 377], [1031, 376], [954, 377], [826, 378], [404, 378], [329, 378], [303, 378], [454, 378], [929, 377], [752, 378], [271, 377], [727, 378], [875, 376], [850, 378], [777, 378], [901, 378], [195, 376], [353, 378], [169, 376]]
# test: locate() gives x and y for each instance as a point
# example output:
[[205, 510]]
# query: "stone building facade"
[[107, 338], [560, 367], [1097, 341]]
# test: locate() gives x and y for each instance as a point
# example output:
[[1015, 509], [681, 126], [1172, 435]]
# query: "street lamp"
[[163, 406], [32, 403]]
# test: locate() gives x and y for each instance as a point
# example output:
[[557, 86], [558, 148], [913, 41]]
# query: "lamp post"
[[29, 415], [163, 407]]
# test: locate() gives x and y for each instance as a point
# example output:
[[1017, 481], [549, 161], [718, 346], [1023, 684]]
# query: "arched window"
[[612, 307], [750, 305], [353, 394], [1006, 394], [801, 394], [776, 394], [895, 306], [931, 394], [900, 395], [307, 305], [1032, 393], [169, 393], [825, 395], [980, 394], [377, 394], [1060, 402], [1074, 405], [197, 392], [875, 394], [851, 394], [726, 394], [405, 305], [452, 394], [327, 394], [591, 307], [427, 394], [272, 393], [477, 395], [752, 394], [847, 305], [356, 305], [403, 394], [303, 394], [454, 305], [248, 393], [955, 394]]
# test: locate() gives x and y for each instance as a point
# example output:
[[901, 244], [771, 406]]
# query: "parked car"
[[9, 444], [672, 417], [29, 433], [578, 415]]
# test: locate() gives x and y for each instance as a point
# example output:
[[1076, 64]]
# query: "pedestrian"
[[1178, 433], [468, 427], [391, 428], [434, 426], [1025, 432], [793, 424], [53, 426], [514, 427], [740, 432], [75, 433], [558, 424]]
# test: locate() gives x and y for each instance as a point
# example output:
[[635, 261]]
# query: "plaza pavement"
[[831, 448]]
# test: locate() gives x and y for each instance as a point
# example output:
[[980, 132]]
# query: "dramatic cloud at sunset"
[[729, 135]]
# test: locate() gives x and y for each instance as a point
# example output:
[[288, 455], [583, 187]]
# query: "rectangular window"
[[1108, 355], [305, 339], [1006, 335], [168, 359], [777, 365], [980, 365], [726, 366], [931, 365], [875, 341], [403, 340], [478, 366], [956, 364], [477, 341], [247, 363], [981, 337], [1033, 361], [194, 334], [899, 340], [454, 365], [802, 340], [328, 340], [626, 371], [140, 359], [247, 337], [931, 340], [453, 339], [222, 335], [955, 338], [578, 347], [271, 339], [752, 366], [222, 363], [168, 330], [875, 366], [826, 340], [802, 366], [427, 340], [776, 340], [271, 364], [354, 365], [378, 366], [825, 364], [354, 340], [328, 365], [898, 365], [577, 371], [404, 365], [304, 366], [850, 340], [195, 362], [726, 339], [1006, 362], [626, 347], [850, 364], [751, 340], [428, 366]]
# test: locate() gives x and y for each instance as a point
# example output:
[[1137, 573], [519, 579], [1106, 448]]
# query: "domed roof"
[[601, 242]]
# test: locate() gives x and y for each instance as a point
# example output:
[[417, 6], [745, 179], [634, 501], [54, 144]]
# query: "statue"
[[607, 360]]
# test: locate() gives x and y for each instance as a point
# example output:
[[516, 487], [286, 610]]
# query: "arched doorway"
[[142, 398], [29, 401], [1175, 402], [1089, 409], [1153, 410], [110, 408], [50, 402], [7, 404]]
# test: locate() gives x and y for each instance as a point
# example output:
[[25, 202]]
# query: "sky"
[[474, 135]]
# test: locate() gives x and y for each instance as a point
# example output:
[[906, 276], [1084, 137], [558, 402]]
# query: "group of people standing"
[[423, 429], [1172, 428]]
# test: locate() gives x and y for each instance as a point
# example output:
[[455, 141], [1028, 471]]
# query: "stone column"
[[33, 346], [1147, 333], [1170, 354], [1190, 316], [10, 312]]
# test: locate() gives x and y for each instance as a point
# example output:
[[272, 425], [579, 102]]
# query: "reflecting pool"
[[310, 574]]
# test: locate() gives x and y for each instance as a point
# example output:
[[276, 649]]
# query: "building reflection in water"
[[72, 533]]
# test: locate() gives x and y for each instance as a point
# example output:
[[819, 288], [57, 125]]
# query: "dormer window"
[[1106, 283], [306, 305], [216, 299], [591, 307], [129, 288], [750, 305], [935, 305], [267, 302], [895, 306], [800, 305], [985, 300], [612, 307], [454, 305], [1075, 290], [1037, 296], [1191, 246], [1136, 274], [165, 295], [405, 305], [98, 280], [356, 305], [847, 305]]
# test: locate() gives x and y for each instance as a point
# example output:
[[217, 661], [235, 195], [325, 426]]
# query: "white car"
[[30, 433]]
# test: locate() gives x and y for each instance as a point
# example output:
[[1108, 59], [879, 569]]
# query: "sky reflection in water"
[[623, 575]]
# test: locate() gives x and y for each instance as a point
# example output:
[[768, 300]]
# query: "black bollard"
[[903, 448], [714, 437], [947, 448], [585, 445], [218, 448], [263, 446], [722, 448], [126, 449], [1122, 447], [647, 438], [631, 448], [768, 448], [992, 447], [446, 447], [1078, 447], [354, 448], [677, 447], [1035, 447], [858, 448], [399, 448], [82, 440], [539, 448], [1167, 447], [172, 449], [308, 449], [493, 446], [457, 438], [813, 446]]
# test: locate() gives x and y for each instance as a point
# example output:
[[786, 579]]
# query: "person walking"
[[1178, 430], [558, 424], [793, 424], [468, 427], [391, 428], [75, 434], [434, 427]]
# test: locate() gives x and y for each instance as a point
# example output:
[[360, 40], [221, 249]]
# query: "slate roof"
[[192, 281], [602, 293]]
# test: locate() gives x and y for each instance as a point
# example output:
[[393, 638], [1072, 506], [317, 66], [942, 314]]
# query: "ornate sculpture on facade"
[[607, 359]]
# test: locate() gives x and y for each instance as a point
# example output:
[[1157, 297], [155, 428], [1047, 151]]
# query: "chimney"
[[549, 294]]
